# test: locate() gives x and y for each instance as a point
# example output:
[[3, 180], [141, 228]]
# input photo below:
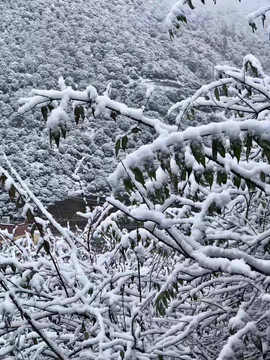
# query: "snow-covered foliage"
[[180, 12], [90, 42], [190, 278]]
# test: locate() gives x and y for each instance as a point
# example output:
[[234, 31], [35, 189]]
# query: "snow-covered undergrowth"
[[190, 280]]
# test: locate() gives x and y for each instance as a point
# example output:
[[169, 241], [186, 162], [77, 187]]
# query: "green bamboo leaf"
[[182, 18], [198, 153], [152, 174], [257, 341], [138, 175], [20, 202], [183, 174], [3, 180], [46, 246], [81, 110], [254, 70], [165, 301], [214, 148], [57, 139], [240, 355], [117, 146], [77, 115], [225, 90], [198, 176], [44, 112], [13, 267], [190, 4], [209, 176], [217, 94], [237, 181], [236, 147], [128, 185], [135, 130], [113, 115], [30, 216], [248, 145], [262, 176], [12, 192], [32, 231], [218, 147], [64, 131], [124, 142], [221, 177]]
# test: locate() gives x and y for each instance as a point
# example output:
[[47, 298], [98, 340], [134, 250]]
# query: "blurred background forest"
[[124, 42]]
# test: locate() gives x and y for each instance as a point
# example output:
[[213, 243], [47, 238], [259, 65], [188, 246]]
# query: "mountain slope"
[[124, 42]]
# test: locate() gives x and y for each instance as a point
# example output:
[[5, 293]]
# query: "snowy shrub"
[[176, 265]]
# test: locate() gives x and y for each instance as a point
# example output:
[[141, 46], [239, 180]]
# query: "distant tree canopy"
[[178, 14]]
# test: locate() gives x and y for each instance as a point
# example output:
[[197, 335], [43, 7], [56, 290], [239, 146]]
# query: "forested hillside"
[[89, 42]]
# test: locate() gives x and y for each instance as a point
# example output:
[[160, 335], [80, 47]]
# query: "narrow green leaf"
[[217, 94], [30, 216], [57, 139], [113, 115], [198, 153], [32, 231], [225, 90], [3, 179], [221, 177], [81, 110], [237, 181], [257, 341], [135, 130], [128, 185], [20, 202], [220, 147], [198, 176], [77, 115], [46, 245], [183, 174], [209, 176], [124, 142], [44, 112], [262, 176], [13, 267], [248, 145], [182, 18], [139, 175], [117, 146], [236, 147], [190, 4], [64, 131], [12, 192]]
